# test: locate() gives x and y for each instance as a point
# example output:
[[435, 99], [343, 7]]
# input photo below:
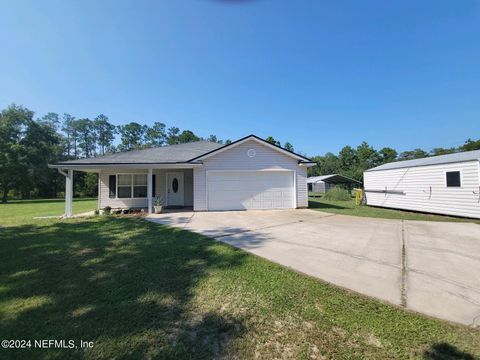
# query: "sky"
[[319, 74]]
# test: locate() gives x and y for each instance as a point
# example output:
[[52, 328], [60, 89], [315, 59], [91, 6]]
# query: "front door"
[[175, 189]]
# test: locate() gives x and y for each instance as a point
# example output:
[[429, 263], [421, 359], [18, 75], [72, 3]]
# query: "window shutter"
[[112, 186], [153, 185]]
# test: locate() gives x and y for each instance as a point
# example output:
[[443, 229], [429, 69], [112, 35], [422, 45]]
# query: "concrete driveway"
[[429, 267]]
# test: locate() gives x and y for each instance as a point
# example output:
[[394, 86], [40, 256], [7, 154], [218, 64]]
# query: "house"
[[446, 184], [249, 173], [323, 183]]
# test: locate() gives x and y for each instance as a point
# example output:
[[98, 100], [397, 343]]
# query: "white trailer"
[[445, 184]]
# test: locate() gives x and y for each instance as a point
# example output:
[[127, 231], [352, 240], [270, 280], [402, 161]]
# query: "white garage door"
[[240, 190]]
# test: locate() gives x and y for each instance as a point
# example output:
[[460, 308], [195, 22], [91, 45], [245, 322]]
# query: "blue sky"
[[320, 74]]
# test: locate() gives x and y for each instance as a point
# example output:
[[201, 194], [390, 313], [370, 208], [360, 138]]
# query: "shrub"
[[337, 194], [97, 212], [107, 210]]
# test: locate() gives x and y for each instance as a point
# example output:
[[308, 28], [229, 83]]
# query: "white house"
[[446, 184], [249, 173]]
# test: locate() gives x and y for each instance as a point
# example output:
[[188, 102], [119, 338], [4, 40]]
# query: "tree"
[[187, 136], [213, 138], [105, 132], [367, 156], [51, 120], [228, 142], [69, 130], [470, 145], [86, 136], [288, 146], [347, 158], [131, 136], [156, 135], [172, 135], [387, 155], [442, 151], [271, 140], [13, 160], [414, 154]]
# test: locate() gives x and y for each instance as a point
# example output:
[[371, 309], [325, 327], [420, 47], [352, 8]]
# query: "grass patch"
[[142, 290], [348, 207], [21, 211]]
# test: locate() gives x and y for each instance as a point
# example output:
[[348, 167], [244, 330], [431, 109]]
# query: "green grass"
[[21, 211], [349, 208], [142, 290]]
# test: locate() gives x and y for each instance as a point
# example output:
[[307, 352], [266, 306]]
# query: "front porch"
[[137, 188]]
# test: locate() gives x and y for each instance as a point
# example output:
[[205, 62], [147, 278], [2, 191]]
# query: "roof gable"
[[300, 158]]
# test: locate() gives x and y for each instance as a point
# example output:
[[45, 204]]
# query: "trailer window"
[[453, 179]]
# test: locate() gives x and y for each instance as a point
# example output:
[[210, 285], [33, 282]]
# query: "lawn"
[[21, 211], [142, 290], [349, 208]]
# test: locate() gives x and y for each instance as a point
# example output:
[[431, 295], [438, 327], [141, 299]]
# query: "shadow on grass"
[[125, 284], [444, 351]]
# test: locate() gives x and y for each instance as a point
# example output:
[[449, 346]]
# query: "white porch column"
[[69, 193], [149, 190]]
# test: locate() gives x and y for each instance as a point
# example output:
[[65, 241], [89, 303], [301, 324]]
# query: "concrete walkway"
[[429, 267]]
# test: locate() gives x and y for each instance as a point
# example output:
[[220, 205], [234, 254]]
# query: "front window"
[[132, 185], [453, 179]]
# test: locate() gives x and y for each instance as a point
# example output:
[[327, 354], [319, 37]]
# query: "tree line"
[[29, 144], [352, 162]]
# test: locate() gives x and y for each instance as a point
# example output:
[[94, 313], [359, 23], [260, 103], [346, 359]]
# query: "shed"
[[323, 183], [445, 184]]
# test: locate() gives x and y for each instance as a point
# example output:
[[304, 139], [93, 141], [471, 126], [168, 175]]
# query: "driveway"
[[429, 267]]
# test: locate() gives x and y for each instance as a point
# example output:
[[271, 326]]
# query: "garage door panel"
[[250, 190]]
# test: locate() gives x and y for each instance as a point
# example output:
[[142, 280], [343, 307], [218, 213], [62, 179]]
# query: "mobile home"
[[446, 184]]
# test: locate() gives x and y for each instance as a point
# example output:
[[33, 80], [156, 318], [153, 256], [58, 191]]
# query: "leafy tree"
[[347, 158], [271, 140], [288, 146], [14, 166], [442, 151], [187, 136], [470, 145], [228, 141], [172, 135], [413, 154], [156, 135], [86, 136], [70, 132], [213, 138], [90, 187], [131, 136], [387, 154], [367, 156], [51, 120], [105, 132]]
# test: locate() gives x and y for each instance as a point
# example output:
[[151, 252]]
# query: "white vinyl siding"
[[424, 188], [237, 159], [249, 190], [160, 188]]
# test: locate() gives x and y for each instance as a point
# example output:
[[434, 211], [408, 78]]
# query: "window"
[[453, 179], [132, 185], [140, 185]]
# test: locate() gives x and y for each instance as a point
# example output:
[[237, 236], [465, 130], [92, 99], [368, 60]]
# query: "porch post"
[[149, 190], [68, 193]]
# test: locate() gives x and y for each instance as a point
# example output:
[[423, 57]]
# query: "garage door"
[[243, 190]]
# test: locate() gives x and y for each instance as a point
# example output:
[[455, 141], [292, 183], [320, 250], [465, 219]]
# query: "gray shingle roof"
[[180, 153], [432, 160]]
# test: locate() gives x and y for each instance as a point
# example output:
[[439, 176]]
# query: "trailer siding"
[[424, 189]]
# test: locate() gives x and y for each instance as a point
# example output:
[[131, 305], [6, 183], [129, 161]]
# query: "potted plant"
[[158, 204]]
